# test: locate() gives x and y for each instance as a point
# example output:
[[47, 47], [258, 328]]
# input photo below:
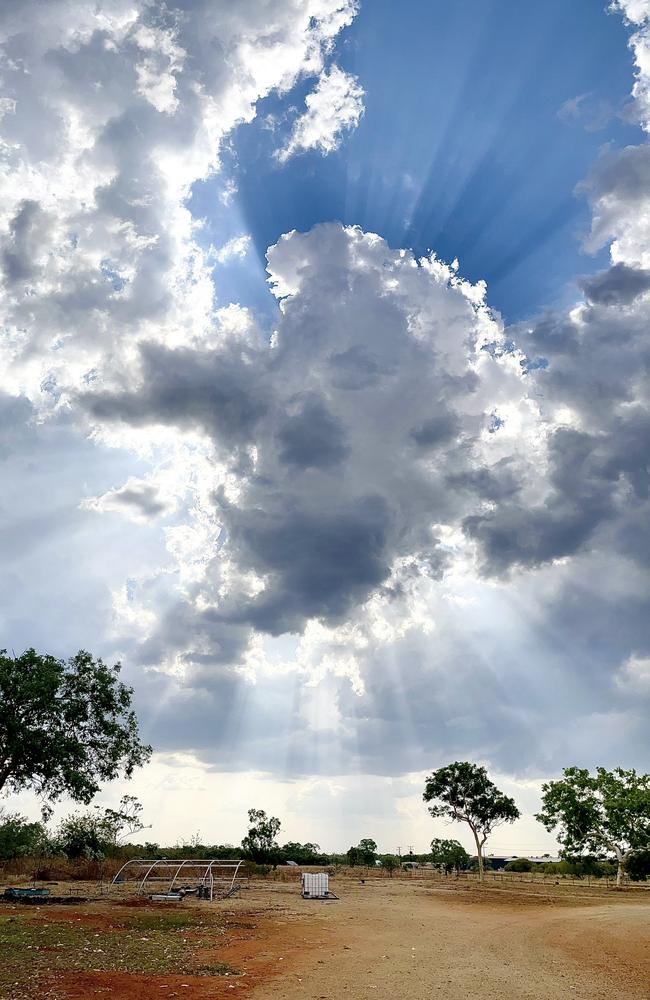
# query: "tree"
[[97, 834], [302, 854], [390, 863], [638, 866], [19, 837], [601, 812], [462, 791], [65, 726], [260, 842], [365, 853], [367, 850], [449, 854]]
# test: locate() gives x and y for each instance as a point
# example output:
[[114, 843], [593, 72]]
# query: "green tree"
[[638, 866], [367, 850], [260, 842], [302, 854], [390, 863], [449, 854], [19, 837], [354, 857], [97, 833], [462, 791], [65, 726], [608, 811]]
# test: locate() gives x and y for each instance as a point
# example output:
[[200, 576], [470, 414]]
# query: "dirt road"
[[383, 940], [399, 942]]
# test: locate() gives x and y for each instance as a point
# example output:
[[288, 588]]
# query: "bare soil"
[[383, 940]]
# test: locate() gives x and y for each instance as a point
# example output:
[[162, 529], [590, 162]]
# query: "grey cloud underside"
[[340, 485], [618, 285], [526, 707], [350, 474]]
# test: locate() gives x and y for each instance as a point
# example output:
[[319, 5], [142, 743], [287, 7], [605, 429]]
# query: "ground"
[[397, 939]]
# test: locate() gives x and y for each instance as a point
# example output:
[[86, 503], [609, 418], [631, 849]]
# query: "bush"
[[19, 837], [638, 867], [519, 865]]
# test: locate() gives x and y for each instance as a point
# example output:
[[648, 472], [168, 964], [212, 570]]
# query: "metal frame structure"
[[207, 872]]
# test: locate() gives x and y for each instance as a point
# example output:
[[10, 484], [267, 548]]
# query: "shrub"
[[519, 865], [19, 837]]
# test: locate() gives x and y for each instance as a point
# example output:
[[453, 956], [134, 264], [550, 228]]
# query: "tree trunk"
[[621, 859], [479, 854]]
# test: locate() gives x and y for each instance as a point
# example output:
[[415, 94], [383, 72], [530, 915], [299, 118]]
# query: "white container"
[[315, 885]]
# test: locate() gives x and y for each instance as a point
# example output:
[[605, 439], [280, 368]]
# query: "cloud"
[[334, 106], [137, 498], [389, 530], [237, 247], [618, 285], [634, 675], [329, 483], [118, 110]]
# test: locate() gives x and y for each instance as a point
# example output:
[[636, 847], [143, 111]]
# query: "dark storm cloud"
[[618, 285], [585, 475], [188, 388], [24, 243], [319, 565], [328, 447], [313, 438], [436, 431]]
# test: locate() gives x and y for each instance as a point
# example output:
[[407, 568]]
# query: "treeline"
[[56, 713]]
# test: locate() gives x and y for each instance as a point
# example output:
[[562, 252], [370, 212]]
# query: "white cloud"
[[636, 11], [335, 106], [634, 675], [237, 247], [118, 110]]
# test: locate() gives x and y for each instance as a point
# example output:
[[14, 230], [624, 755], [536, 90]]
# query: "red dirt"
[[392, 940]]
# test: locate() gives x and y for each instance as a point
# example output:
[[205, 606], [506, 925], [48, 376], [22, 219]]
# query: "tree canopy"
[[449, 854], [19, 836], [608, 811], [463, 791], [65, 726], [260, 842], [365, 853]]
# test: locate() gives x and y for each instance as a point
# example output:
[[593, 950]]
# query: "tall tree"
[[260, 841], [65, 726], [608, 811], [462, 791]]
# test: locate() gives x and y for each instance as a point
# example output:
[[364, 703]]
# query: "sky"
[[324, 406]]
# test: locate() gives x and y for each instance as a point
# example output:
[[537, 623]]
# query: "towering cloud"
[[444, 521]]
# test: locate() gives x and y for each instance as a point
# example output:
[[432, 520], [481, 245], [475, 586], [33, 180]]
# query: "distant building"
[[499, 861]]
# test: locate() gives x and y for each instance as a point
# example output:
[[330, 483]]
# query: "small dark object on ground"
[[13, 893], [39, 897]]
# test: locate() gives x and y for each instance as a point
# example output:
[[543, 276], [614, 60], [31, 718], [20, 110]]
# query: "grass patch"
[[153, 943]]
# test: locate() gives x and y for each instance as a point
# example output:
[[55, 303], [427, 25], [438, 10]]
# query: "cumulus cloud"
[[118, 110], [391, 513], [363, 426], [334, 107]]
